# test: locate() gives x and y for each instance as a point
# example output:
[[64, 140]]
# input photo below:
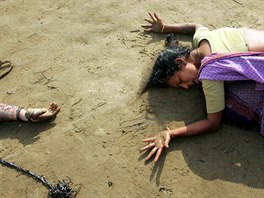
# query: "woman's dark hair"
[[165, 65]]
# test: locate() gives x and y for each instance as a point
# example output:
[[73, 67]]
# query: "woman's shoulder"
[[200, 34]]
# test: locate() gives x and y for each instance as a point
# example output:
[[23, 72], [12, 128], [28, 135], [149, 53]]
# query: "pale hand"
[[156, 144], [155, 25], [36, 115]]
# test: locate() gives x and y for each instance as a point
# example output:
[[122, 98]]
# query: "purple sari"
[[244, 98]]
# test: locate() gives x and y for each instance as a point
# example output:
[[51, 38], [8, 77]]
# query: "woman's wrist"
[[170, 132], [176, 132], [162, 28]]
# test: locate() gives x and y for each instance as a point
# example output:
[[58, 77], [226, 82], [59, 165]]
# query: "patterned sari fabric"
[[244, 98]]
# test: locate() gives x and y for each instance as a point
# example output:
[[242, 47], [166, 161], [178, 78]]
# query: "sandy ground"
[[91, 57]]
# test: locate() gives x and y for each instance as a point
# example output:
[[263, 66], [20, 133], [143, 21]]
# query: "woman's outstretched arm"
[[156, 25], [210, 124], [158, 142]]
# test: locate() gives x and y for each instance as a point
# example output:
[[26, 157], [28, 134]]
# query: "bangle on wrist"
[[21, 115], [162, 29]]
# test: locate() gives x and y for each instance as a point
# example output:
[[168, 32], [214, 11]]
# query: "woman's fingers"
[[151, 16], [153, 151], [148, 30], [157, 17], [155, 23], [157, 143], [146, 26], [149, 21], [158, 154], [152, 139], [150, 145]]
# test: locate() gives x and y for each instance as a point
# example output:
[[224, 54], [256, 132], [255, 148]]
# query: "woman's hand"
[[156, 24], [157, 143]]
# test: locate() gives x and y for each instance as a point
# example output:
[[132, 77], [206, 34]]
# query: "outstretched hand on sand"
[[36, 115], [157, 143], [155, 24]]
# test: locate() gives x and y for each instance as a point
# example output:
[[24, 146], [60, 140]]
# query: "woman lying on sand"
[[244, 100], [8, 113], [180, 67]]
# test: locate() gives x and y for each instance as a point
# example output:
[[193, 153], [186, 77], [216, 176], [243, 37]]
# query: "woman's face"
[[184, 78]]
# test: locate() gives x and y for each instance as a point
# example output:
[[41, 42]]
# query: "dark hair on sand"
[[166, 65]]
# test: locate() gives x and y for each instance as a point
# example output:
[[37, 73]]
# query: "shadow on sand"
[[26, 133], [231, 154]]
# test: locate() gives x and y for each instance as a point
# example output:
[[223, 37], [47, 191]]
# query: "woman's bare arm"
[[254, 39], [158, 142], [210, 124], [156, 25]]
